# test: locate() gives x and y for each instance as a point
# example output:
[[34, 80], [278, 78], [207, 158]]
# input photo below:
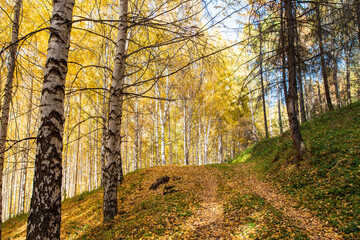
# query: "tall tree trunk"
[[8, 94], [335, 79], [283, 54], [136, 133], [299, 71], [292, 92], [78, 150], [262, 81], [104, 112], [171, 148], [254, 131], [306, 99], [358, 18], [319, 96], [113, 137], [66, 178], [45, 208], [271, 132], [279, 108], [347, 62], [156, 135], [24, 167], [322, 56], [186, 129]]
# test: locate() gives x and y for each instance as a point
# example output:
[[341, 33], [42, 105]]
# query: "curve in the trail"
[[301, 217]]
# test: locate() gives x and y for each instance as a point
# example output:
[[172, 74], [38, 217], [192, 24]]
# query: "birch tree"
[[8, 93], [45, 208], [113, 138]]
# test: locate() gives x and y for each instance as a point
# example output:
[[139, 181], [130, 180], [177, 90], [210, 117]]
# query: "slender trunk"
[[199, 141], [186, 143], [156, 129], [292, 93], [319, 96], [206, 141], [335, 78], [306, 99], [96, 150], [8, 93], [78, 155], [220, 145], [104, 128], [24, 167], [113, 138], [136, 133], [300, 77], [322, 56], [45, 209], [358, 18], [283, 52], [171, 148], [253, 117], [12, 183], [312, 89], [262, 83], [279, 108], [348, 93], [271, 132], [162, 114]]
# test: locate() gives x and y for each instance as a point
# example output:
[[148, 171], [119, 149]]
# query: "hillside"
[[328, 180], [260, 195]]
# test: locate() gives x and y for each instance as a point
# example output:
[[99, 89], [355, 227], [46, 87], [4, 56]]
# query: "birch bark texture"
[[45, 207], [8, 94], [113, 137]]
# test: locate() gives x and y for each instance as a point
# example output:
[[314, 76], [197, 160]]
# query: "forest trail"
[[225, 201], [210, 222], [300, 216]]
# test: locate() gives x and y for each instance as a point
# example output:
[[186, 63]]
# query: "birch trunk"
[[136, 134], [78, 151], [45, 209], [24, 167], [8, 93], [113, 137], [186, 148]]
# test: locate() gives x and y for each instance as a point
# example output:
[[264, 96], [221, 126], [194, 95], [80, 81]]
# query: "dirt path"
[[210, 222], [301, 217], [207, 220]]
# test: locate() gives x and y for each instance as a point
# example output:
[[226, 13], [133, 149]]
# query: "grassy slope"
[[328, 180]]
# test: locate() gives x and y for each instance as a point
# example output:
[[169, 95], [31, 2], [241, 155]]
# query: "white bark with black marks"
[[113, 137], [45, 209]]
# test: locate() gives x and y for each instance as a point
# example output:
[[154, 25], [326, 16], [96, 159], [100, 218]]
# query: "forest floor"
[[225, 201], [262, 194]]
